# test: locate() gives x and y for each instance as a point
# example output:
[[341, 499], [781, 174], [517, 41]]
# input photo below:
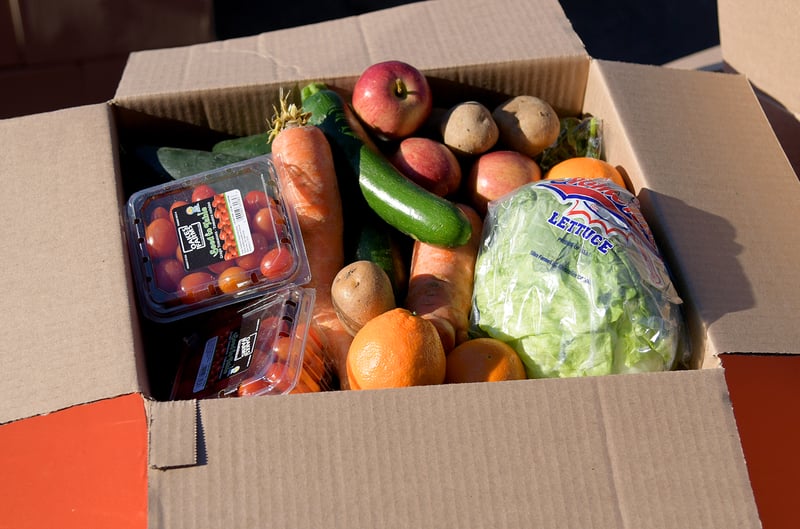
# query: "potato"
[[527, 124], [359, 292], [468, 128]]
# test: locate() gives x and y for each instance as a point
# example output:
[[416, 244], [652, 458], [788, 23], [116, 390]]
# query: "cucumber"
[[401, 203], [245, 147], [377, 242]]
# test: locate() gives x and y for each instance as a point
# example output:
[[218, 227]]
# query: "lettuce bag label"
[[213, 230], [569, 274]]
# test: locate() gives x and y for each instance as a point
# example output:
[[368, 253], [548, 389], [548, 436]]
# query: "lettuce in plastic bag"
[[569, 274]]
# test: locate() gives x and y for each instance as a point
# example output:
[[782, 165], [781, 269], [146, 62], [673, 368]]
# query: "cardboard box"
[[761, 43], [654, 450]]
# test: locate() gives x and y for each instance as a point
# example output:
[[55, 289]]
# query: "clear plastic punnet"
[[269, 347], [213, 239]]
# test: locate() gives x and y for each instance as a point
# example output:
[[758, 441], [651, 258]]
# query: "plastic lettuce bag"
[[569, 274]]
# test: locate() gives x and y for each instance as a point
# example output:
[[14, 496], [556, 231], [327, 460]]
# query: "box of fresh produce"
[[212, 239]]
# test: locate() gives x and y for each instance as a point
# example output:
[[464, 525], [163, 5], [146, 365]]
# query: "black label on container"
[[212, 230]]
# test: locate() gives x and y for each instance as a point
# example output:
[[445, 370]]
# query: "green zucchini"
[[400, 202], [377, 242]]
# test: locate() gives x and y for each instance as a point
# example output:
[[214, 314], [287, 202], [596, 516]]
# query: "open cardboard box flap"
[[438, 37], [560, 453], [659, 450], [762, 42]]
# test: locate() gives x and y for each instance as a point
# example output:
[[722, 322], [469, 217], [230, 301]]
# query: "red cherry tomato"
[[277, 263], [252, 261], [233, 279], [196, 286], [159, 213], [267, 220], [218, 268], [175, 205], [203, 191], [160, 238], [255, 200], [168, 274]]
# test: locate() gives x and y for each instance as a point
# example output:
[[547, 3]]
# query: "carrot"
[[305, 165], [440, 283]]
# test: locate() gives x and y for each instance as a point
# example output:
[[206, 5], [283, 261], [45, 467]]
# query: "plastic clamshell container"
[[269, 347], [213, 239]]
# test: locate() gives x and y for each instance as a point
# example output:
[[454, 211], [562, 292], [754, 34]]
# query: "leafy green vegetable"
[[578, 137], [245, 147], [569, 275]]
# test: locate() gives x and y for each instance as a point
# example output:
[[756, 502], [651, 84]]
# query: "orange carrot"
[[306, 169], [440, 283]]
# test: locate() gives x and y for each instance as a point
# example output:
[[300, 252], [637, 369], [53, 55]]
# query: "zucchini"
[[400, 202], [377, 242]]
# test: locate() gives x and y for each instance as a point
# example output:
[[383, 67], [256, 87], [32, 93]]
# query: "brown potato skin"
[[468, 129], [527, 124], [360, 291]]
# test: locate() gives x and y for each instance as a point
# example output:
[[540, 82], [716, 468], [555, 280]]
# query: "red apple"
[[392, 99], [429, 163], [497, 173]]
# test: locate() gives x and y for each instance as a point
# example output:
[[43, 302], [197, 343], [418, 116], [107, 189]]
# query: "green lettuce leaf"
[[569, 275]]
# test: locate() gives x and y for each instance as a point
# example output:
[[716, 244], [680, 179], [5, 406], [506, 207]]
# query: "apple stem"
[[399, 87]]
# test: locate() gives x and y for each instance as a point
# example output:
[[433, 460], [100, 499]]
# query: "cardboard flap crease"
[[174, 431]]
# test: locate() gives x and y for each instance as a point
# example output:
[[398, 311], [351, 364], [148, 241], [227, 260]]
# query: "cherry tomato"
[[203, 191], [160, 238], [233, 279], [176, 204], [266, 220], [159, 213], [277, 263], [196, 286], [252, 261], [218, 268], [255, 200], [168, 274]]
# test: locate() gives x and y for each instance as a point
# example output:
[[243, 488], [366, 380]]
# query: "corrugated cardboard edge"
[[572, 452], [763, 42], [725, 239], [174, 433], [71, 318], [432, 35]]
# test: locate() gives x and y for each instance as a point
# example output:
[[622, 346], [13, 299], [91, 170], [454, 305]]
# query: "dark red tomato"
[[277, 263], [196, 286], [202, 192], [218, 268], [176, 204], [159, 213], [168, 274], [255, 200], [233, 279], [252, 261], [160, 238]]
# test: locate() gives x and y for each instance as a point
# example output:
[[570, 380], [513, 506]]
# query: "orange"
[[484, 360], [585, 167], [395, 349]]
